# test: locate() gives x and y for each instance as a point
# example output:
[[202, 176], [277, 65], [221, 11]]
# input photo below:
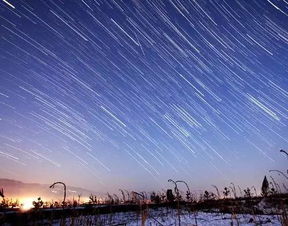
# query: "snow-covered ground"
[[164, 216]]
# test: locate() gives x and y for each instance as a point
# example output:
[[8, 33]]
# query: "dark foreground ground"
[[276, 205]]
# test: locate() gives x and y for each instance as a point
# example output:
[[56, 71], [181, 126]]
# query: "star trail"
[[111, 93]]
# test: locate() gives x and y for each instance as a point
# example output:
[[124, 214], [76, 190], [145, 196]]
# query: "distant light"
[[26, 204]]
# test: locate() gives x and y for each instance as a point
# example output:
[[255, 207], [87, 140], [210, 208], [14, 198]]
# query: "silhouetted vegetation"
[[272, 200]]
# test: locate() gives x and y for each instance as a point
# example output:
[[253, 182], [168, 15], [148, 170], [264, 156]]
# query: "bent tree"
[[64, 185]]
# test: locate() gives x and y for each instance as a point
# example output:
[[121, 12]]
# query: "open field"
[[241, 211], [161, 216]]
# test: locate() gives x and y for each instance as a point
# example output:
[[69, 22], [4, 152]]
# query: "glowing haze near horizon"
[[109, 94]]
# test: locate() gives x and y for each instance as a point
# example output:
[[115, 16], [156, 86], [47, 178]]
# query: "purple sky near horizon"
[[109, 94]]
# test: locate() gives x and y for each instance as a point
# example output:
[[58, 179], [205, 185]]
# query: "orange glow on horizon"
[[26, 203]]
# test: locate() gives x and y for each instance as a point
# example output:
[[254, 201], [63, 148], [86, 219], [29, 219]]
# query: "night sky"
[[109, 94]]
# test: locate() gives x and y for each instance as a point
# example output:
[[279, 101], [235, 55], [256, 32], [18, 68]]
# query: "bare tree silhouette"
[[177, 196], [110, 197], [285, 152], [64, 185], [254, 190], [123, 195], [139, 194], [240, 190], [79, 197], [217, 190], [2, 193], [93, 199], [226, 192], [128, 194], [233, 190], [175, 187], [117, 200], [188, 194], [280, 172]]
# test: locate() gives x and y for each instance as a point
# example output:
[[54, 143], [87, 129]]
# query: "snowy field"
[[165, 217]]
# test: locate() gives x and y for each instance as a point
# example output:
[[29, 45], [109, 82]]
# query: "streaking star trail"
[[110, 94]]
